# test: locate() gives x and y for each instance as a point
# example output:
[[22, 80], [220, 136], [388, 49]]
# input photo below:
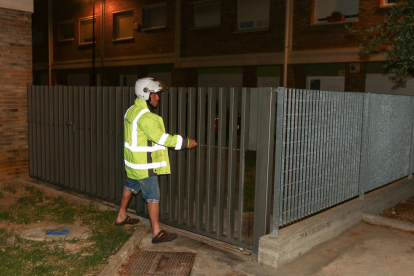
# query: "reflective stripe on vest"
[[135, 127], [146, 166], [179, 142], [163, 138], [144, 149]]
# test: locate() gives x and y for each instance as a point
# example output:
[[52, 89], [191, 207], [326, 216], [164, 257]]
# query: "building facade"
[[241, 43]]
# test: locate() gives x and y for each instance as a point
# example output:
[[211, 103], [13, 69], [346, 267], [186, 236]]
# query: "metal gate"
[[76, 141]]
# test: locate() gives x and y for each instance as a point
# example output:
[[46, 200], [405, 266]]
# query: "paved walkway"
[[362, 251]]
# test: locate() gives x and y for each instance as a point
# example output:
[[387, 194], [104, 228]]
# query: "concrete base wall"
[[301, 237]]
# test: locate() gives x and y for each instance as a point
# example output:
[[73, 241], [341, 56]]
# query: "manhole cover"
[[161, 263]]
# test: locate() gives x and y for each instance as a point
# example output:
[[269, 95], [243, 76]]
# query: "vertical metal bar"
[[181, 155], [292, 93], [112, 163], [94, 137], [100, 186], [88, 139], [81, 137], [163, 180], [220, 160], [119, 145], [200, 170], [302, 152], [262, 202], [66, 138], [71, 182], [210, 158], [285, 158], [105, 142], [62, 128], [51, 166], [279, 160], [295, 159], [56, 141], [173, 156], [243, 137], [363, 177], [38, 147], [308, 138], [76, 138], [30, 127], [231, 175], [191, 124], [43, 132]]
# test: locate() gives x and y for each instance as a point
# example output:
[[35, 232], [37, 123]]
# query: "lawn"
[[24, 206]]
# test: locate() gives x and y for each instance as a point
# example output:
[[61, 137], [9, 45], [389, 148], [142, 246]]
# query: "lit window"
[[207, 14], [154, 16], [336, 10], [66, 30], [253, 14], [124, 23], [85, 35]]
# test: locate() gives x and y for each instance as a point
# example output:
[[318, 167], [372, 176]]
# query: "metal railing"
[[333, 146]]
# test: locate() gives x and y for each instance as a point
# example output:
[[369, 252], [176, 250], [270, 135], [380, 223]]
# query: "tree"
[[394, 38]]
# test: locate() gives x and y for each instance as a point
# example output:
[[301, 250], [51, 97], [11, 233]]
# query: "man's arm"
[[154, 132]]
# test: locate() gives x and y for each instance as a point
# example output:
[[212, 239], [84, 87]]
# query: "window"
[[324, 9], [85, 35], [154, 16], [388, 2], [207, 14], [66, 30], [124, 25], [253, 14]]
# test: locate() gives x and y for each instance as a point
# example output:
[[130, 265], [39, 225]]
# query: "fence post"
[[364, 164], [278, 161], [264, 163]]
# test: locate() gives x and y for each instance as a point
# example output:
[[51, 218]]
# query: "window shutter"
[[207, 14], [253, 14]]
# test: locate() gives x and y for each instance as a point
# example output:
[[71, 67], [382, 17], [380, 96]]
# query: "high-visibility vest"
[[145, 139]]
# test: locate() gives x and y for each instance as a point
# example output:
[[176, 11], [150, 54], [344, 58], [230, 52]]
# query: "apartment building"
[[239, 43]]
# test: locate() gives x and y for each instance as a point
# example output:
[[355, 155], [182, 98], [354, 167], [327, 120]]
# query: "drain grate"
[[161, 263]]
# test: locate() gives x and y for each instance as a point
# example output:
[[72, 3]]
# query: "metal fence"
[[333, 146], [311, 151], [76, 141]]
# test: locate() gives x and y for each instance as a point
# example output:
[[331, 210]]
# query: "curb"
[[127, 249], [396, 224], [117, 261]]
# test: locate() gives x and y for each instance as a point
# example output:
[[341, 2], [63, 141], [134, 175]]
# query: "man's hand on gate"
[[192, 143]]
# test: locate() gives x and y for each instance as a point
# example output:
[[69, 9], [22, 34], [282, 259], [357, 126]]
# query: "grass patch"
[[9, 188], [24, 257]]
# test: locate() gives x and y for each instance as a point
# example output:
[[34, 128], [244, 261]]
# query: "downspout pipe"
[[287, 48]]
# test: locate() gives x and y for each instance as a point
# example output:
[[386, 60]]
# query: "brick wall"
[[156, 41], [308, 36], [224, 39], [15, 75]]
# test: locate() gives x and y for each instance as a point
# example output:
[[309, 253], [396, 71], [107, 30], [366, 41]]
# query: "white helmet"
[[145, 86]]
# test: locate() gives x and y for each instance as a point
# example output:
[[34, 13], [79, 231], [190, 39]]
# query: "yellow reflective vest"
[[147, 143]]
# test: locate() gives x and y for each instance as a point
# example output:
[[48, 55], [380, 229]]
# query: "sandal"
[[163, 236], [126, 221]]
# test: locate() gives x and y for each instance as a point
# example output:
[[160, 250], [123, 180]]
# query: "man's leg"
[[126, 197], [154, 211]]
